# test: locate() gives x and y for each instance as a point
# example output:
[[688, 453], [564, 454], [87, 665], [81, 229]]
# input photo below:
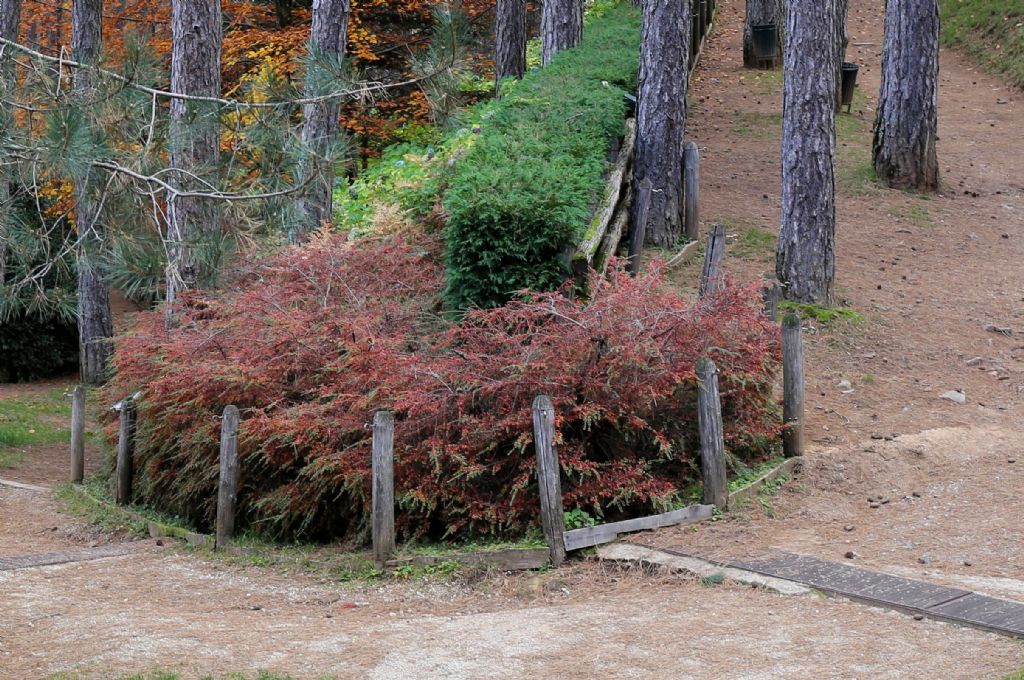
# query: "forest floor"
[[929, 276]]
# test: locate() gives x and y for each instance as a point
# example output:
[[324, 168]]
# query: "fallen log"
[[616, 188]]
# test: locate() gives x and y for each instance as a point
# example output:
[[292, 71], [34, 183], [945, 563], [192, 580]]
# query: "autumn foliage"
[[311, 341]]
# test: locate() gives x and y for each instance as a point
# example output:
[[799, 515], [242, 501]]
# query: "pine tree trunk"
[[661, 119], [95, 326], [283, 12], [906, 125], [194, 228], [509, 40], [761, 12], [561, 27], [10, 19], [841, 41], [805, 258], [320, 120]]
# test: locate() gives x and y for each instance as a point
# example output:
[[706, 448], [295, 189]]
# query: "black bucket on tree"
[[766, 42], [849, 82]]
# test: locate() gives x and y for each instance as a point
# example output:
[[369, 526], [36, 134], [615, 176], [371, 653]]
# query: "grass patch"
[[33, 421], [766, 82], [755, 244], [534, 540], [915, 214], [857, 178], [714, 579], [990, 31], [739, 476], [768, 490], [855, 171], [758, 124], [823, 315], [93, 502], [745, 476]]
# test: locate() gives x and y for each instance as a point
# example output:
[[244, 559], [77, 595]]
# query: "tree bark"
[[10, 19], [841, 41], [561, 27], [906, 125], [320, 119], [661, 119], [194, 228], [509, 40], [95, 326], [761, 12], [283, 12], [805, 257]]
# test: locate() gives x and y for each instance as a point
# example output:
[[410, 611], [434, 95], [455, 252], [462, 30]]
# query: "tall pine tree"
[[194, 227], [805, 255], [320, 119], [95, 325], [661, 121], [906, 125]]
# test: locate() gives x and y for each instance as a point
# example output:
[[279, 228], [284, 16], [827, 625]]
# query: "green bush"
[[523, 194], [991, 31]]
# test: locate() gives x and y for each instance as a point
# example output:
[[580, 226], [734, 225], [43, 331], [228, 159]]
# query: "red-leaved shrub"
[[310, 342]]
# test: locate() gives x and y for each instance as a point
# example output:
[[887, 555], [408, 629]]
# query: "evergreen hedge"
[[524, 192]]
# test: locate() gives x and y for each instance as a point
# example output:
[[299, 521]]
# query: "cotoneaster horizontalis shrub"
[[310, 342]]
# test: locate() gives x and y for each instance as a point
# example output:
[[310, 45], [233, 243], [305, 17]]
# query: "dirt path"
[[927, 274]]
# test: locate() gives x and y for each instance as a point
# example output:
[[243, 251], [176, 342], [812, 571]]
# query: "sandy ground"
[[181, 613], [928, 274]]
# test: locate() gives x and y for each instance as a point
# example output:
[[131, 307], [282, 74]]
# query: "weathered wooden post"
[[712, 442], [125, 451], [691, 189], [383, 468], [792, 386], [78, 434], [549, 478], [638, 229], [227, 492], [711, 276], [772, 296]]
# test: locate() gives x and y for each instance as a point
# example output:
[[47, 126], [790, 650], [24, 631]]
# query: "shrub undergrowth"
[[310, 342], [524, 193]]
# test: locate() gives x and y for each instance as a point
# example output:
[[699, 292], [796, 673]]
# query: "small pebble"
[[924, 559], [850, 555], [967, 563], [918, 617], [874, 505], [1011, 460], [916, 494], [848, 527]]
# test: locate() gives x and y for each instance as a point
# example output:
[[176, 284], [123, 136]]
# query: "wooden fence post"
[[638, 229], [711, 276], [125, 451], [712, 443], [792, 386], [78, 434], [772, 295], [383, 467], [691, 189], [552, 515], [227, 491]]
